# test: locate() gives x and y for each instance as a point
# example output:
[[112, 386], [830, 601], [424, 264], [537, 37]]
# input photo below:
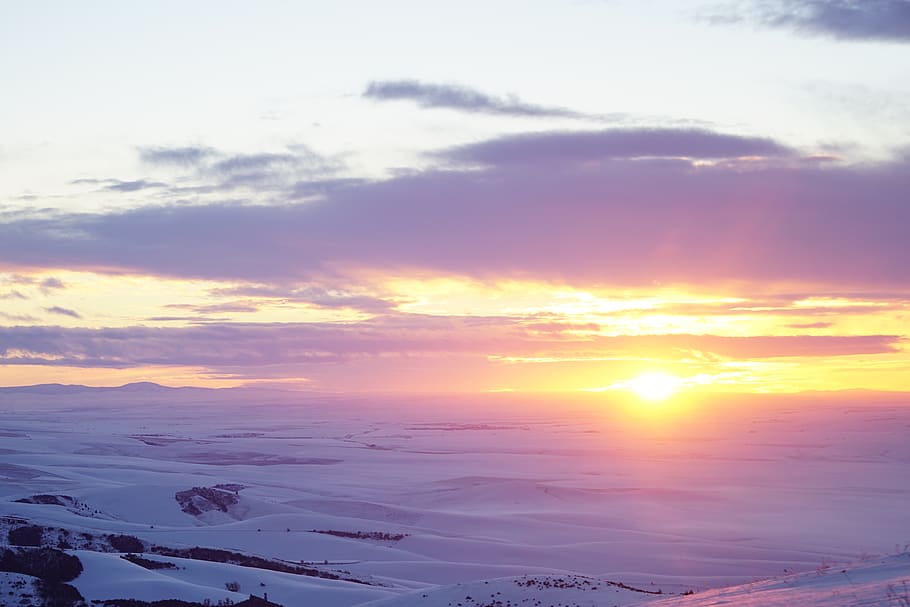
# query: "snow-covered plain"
[[587, 500]]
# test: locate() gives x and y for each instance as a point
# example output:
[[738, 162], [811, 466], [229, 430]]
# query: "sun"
[[654, 386]]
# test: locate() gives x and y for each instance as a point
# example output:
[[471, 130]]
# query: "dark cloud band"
[[589, 220]]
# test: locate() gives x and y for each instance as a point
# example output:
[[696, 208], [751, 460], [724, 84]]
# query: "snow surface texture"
[[504, 500]]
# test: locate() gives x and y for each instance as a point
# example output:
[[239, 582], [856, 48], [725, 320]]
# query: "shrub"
[[147, 563], [55, 594], [126, 543], [29, 535], [48, 564]]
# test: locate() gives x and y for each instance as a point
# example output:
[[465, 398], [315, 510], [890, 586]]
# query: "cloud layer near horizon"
[[230, 346], [626, 207]]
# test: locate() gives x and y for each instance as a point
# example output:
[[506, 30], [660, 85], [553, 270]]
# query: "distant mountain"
[[63, 389], [143, 386]]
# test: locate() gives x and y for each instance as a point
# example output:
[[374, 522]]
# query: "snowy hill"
[[880, 582], [223, 494], [532, 590]]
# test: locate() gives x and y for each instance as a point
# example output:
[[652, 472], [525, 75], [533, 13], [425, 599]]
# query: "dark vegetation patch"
[[48, 564], [53, 500], [54, 566], [577, 583], [216, 555], [56, 594], [147, 563], [162, 603], [253, 601], [379, 536], [197, 500], [69, 502], [36, 536], [125, 543], [240, 435], [567, 582], [27, 535]]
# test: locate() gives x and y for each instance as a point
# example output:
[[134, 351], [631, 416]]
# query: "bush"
[[126, 543], [147, 563], [161, 603], [55, 594], [30, 535], [48, 564]]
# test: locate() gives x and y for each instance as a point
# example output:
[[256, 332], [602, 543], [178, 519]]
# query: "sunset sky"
[[456, 197]]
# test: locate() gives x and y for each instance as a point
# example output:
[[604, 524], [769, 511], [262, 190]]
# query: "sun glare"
[[653, 386]]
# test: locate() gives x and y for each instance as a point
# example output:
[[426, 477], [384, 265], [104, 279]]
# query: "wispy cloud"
[[186, 156], [313, 295], [321, 187], [881, 20], [117, 185], [253, 163], [209, 171], [45, 285], [26, 318], [811, 325], [134, 186], [219, 308], [463, 99], [62, 312]]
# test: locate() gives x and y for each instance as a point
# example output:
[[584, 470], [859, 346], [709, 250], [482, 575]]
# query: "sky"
[[546, 196]]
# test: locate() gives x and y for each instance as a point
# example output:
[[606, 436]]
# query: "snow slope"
[[881, 582], [474, 490]]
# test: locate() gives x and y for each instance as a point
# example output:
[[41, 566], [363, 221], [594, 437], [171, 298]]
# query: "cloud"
[[296, 172], [220, 308], [230, 345], [133, 186], [461, 98], [45, 286], [12, 295], [281, 171], [253, 163], [17, 317], [185, 157], [578, 147], [62, 312], [117, 185], [321, 187], [616, 221], [877, 20], [314, 295], [802, 305]]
